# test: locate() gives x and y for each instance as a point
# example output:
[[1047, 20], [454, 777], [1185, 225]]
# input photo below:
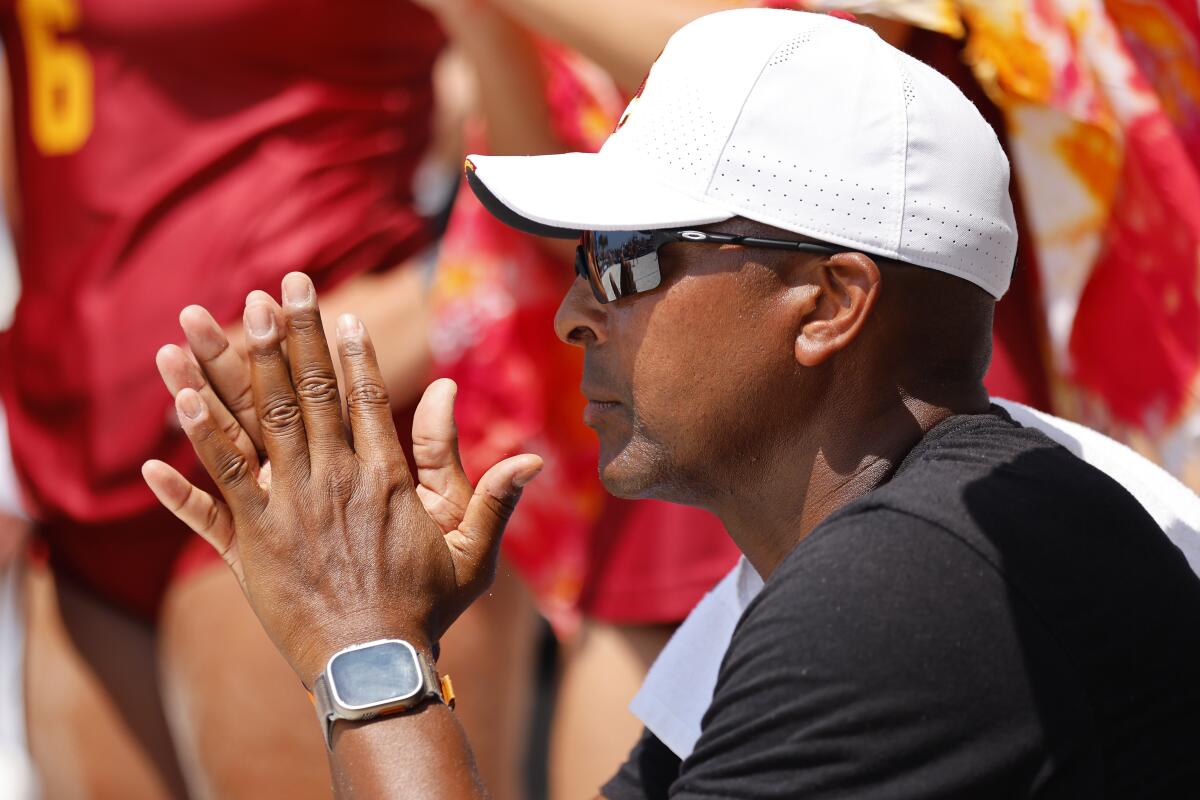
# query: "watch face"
[[375, 674]]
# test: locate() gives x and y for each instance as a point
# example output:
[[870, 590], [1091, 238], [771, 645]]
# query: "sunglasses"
[[618, 264]]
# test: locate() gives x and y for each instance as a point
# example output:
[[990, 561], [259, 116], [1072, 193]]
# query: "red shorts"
[[131, 562], [128, 563], [651, 562]]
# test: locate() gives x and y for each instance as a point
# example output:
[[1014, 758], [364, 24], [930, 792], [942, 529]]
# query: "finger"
[[223, 366], [476, 544], [442, 483], [180, 372], [367, 404], [226, 464], [194, 507], [258, 295], [312, 367], [279, 417]]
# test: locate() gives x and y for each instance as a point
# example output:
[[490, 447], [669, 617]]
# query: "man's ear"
[[847, 286]]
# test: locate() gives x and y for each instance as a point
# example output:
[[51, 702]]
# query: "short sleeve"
[[647, 774], [883, 659]]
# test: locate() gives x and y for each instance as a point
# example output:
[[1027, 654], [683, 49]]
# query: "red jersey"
[[187, 152]]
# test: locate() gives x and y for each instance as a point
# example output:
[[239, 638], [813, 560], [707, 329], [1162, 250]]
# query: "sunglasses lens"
[[621, 263]]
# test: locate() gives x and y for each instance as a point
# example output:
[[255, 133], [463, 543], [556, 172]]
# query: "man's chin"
[[627, 475]]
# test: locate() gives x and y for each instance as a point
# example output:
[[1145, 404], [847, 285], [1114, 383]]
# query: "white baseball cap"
[[802, 121]]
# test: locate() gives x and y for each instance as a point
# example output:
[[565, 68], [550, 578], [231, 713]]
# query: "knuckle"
[[231, 468], [340, 483], [280, 413], [381, 479], [317, 387], [367, 393], [212, 516], [232, 430], [264, 352], [304, 322], [354, 348], [243, 402]]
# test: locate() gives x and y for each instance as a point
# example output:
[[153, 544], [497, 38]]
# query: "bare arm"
[[509, 78], [8, 153], [423, 754], [623, 36], [510, 84], [341, 544]]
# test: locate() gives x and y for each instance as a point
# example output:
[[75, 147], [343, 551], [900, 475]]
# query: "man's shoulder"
[[995, 484], [869, 582], [989, 520], [1008, 590], [985, 511]]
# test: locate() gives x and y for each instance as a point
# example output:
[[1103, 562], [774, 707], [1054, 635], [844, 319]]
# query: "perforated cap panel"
[[801, 121], [817, 185]]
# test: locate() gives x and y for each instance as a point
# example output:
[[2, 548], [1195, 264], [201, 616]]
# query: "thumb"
[[476, 544]]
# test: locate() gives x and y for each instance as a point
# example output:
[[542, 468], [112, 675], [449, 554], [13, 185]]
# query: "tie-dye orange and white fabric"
[[1102, 108]]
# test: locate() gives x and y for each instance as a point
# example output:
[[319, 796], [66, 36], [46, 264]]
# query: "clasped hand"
[[335, 543]]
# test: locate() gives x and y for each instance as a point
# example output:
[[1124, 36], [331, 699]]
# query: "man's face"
[[687, 384]]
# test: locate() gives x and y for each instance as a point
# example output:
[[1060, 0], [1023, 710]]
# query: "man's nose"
[[580, 319]]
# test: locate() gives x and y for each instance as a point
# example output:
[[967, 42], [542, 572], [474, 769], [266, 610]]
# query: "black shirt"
[[999, 620]]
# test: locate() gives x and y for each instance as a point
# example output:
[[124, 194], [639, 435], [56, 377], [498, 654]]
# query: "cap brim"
[[560, 196]]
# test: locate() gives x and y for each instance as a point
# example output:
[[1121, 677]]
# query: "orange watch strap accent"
[[448, 696]]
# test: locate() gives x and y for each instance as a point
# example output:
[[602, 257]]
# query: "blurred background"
[[156, 155]]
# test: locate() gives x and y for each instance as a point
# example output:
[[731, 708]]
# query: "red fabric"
[[494, 297], [230, 142], [651, 562], [1136, 340]]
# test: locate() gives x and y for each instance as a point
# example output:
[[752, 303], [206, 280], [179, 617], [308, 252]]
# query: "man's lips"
[[596, 409], [598, 405]]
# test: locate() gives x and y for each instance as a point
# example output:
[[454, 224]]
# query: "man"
[[818, 228]]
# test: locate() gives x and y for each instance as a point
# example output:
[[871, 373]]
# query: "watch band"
[[432, 687]]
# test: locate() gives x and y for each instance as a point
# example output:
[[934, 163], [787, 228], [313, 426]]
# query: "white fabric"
[[679, 686], [16, 775], [802, 121], [10, 493], [10, 278]]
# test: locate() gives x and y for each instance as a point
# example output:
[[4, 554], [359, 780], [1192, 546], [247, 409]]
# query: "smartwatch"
[[370, 680]]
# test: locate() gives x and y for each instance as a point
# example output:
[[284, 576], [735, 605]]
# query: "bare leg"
[[593, 728], [244, 727], [96, 728], [489, 652]]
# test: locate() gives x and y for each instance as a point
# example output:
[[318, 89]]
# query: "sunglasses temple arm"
[[778, 244]]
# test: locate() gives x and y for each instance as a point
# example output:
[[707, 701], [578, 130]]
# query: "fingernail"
[[349, 325], [260, 320], [297, 289], [188, 403]]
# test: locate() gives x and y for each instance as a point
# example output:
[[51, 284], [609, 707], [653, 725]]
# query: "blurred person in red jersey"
[[165, 150]]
